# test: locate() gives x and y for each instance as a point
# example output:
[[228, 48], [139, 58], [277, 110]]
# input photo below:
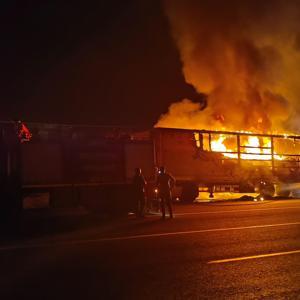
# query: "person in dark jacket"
[[165, 182], [139, 185]]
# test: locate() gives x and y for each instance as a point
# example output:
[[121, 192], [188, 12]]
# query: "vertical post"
[[156, 142], [160, 148], [154, 149], [201, 141], [238, 141], [272, 153], [209, 141]]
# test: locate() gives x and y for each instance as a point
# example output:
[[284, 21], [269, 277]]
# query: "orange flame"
[[253, 148]]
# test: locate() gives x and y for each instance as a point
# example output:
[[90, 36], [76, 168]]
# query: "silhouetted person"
[[165, 182], [139, 184]]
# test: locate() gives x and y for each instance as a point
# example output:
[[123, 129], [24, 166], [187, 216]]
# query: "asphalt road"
[[226, 250]]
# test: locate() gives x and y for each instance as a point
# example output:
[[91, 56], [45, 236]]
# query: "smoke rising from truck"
[[245, 55]]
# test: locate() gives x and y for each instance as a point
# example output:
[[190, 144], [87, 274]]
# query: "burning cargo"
[[239, 159]]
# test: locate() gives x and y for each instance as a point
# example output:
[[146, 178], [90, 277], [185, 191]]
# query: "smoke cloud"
[[245, 56]]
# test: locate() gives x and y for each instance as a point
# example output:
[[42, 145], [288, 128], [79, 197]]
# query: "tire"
[[189, 192]]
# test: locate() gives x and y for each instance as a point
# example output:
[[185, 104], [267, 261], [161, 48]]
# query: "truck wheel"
[[189, 192]]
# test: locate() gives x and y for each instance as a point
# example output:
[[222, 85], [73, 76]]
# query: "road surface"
[[228, 250]]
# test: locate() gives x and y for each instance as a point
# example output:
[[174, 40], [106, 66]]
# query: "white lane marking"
[[140, 236], [240, 210], [220, 261]]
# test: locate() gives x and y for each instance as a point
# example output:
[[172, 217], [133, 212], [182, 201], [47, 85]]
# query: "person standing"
[[165, 182], [139, 185]]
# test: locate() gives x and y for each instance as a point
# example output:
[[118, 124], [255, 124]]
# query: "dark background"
[[93, 62]]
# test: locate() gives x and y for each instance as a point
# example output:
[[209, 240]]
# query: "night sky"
[[91, 62]]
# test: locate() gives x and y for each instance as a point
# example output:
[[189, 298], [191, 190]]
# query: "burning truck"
[[93, 165], [245, 77]]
